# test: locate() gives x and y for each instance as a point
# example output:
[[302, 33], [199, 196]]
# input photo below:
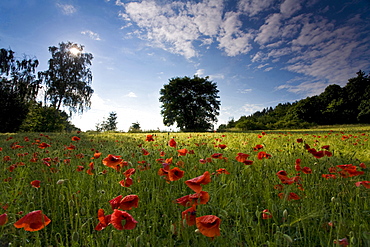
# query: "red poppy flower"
[[325, 147], [43, 145], [366, 184], [198, 198], [149, 138], [97, 155], [189, 215], [3, 219], [266, 214], [118, 216], [342, 242], [195, 183], [248, 162], [222, 171], [36, 183], [209, 225], [115, 202], [328, 176], [216, 156], [129, 172], [241, 157], [222, 146], [129, 202], [127, 182], [91, 168], [182, 152], [104, 220], [257, 147], [299, 140], [306, 170], [33, 221], [75, 138], [262, 155], [112, 161], [80, 168], [175, 174], [172, 143]]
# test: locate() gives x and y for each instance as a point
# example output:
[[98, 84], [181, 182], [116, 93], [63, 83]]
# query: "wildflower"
[[299, 140], [36, 183], [118, 216], [75, 138], [149, 138], [266, 214], [129, 172], [175, 174], [129, 202], [172, 143], [198, 198], [33, 221], [195, 183], [262, 155], [209, 225], [241, 157], [104, 220], [366, 184], [216, 156], [96, 155], [3, 219], [343, 242], [182, 152], [189, 215], [43, 145], [257, 147], [112, 161], [306, 170], [222, 171], [222, 146], [127, 182], [328, 176]]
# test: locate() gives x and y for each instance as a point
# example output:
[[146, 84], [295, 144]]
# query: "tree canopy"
[[336, 105], [69, 77], [191, 103]]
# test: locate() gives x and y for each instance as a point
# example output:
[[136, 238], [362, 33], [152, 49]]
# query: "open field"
[[279, 188]]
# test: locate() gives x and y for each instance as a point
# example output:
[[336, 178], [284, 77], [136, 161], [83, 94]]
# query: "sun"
[[75, 51]]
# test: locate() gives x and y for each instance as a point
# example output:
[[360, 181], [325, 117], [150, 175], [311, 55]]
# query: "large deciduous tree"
[[19, 86], [69, 77], [191, 103]]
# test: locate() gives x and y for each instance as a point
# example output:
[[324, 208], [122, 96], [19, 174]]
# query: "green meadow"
[[312, 182]]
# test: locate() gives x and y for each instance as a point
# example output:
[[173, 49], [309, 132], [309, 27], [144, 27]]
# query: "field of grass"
[[280, 188]]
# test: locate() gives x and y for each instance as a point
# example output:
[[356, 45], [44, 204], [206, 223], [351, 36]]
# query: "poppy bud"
[[285, 214]]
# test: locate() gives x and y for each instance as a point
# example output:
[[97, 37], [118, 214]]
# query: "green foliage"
[[46, 119], [135, 128], [108, 125], [336, 105], [18, 87], [191, 103], [68, 78]]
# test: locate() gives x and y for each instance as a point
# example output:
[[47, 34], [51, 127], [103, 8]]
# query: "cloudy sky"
[[259, 52]]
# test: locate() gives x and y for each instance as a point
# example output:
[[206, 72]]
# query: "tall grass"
[[328, 209]]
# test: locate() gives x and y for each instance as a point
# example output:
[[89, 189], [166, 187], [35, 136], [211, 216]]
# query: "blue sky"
[[259, 52]]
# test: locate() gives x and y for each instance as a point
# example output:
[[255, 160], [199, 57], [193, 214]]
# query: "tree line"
[[336, 105], [66, 86]]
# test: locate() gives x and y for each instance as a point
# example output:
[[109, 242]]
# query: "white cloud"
[[248, 90], [253, 7], [249, 109], [270, 30], [131, 95], [91, 34], [67, 9], [200, 72], [289, 7]]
